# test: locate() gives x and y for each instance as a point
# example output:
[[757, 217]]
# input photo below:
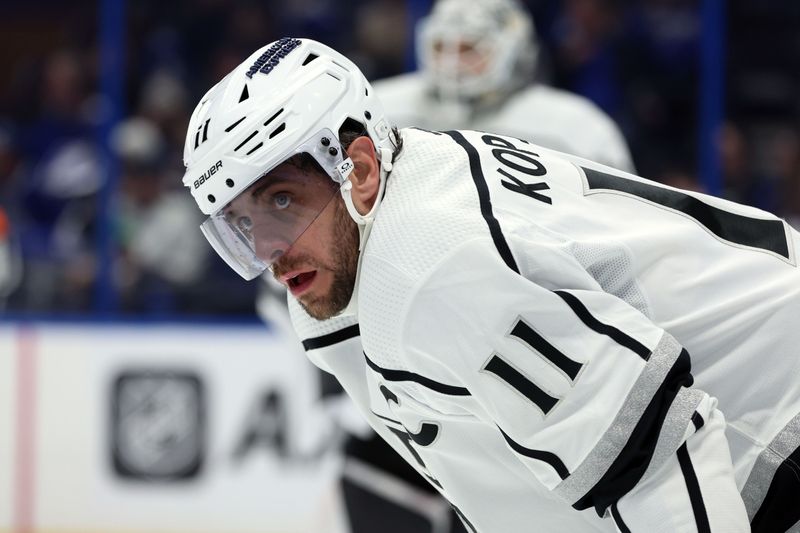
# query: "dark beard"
[[344, 244]]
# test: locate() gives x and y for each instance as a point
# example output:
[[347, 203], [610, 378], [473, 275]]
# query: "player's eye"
[[281, 200]]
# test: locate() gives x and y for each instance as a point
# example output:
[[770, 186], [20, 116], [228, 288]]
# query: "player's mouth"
[[299, 282]]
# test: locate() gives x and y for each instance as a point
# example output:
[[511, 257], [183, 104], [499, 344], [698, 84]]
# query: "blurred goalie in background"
[[479, 70], [478, 67]]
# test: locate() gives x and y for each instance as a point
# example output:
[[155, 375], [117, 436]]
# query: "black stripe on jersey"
[[613, 333], [406, 440], [632, 462], [779, 510], [693, 486], [520, 383], [529, 336], [405, 375], [697, 420], [484, 199], [330, 339], [388, 395], [738, 229], [623, 528], [548, 457]]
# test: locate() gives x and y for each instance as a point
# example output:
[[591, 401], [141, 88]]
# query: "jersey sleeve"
[[593, 398]]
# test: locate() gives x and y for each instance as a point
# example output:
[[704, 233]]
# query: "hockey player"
[[477, 67], [476, 71], [552, 343]]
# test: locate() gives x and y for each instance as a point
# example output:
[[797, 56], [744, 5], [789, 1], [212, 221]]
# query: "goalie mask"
[[468, 50], [289, 98]]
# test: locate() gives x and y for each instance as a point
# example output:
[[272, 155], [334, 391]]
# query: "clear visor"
[[260, 224]]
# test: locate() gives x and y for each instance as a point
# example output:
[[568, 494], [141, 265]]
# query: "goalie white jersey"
[[544, 337], [550, 117]]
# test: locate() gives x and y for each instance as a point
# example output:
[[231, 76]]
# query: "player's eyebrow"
[[255, 190], [270, 180], [265, 182]]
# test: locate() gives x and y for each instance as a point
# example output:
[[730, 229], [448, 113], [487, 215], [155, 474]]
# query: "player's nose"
[[269, 248]]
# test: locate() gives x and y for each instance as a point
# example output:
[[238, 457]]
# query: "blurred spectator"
[[382, 32], [587, 56], [161, 252], [782, 160], [58, 181], [9, 163], [741, 179], [10, 267], [660, 47], [163, 101]]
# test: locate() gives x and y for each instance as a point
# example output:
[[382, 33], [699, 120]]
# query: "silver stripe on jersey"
[[767, 463], [608, 448]]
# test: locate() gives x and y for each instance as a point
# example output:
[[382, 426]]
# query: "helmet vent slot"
[[245, 141], [337, 78], [309, 59], [197, 141], [273, 117], [245, 94], [254, 148], [278, 130], [229, 128]]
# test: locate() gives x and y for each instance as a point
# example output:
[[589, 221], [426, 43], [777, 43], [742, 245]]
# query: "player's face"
[[319, 269]]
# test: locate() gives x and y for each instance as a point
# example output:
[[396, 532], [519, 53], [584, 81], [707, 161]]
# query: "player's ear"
[[366, 174]]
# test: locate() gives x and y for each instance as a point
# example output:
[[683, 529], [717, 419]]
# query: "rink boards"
[[119, 427]]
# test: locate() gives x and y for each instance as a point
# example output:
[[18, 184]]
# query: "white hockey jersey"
[[544, 337], [550, 117]]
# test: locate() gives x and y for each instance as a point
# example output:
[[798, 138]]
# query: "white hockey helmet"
[[289, 97], [470, 49]]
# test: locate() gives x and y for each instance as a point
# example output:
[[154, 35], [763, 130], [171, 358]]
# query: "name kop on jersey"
[[273, 55], [207, 174], [522, 161]]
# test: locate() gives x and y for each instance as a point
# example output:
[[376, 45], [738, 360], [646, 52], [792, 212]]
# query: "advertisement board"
[[162, 428]]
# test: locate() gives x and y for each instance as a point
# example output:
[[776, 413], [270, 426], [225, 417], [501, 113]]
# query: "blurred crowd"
[[636, 59]]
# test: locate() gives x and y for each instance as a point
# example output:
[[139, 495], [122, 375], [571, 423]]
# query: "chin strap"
[[364, 222]]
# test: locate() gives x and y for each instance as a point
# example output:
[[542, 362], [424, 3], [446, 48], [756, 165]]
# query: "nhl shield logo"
[[157, 425]]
